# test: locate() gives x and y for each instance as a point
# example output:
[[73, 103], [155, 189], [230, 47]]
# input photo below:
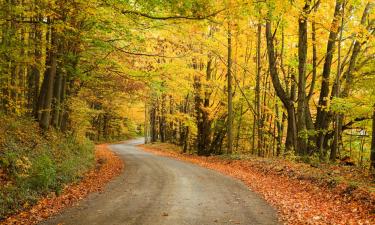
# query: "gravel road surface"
[[155, 190]]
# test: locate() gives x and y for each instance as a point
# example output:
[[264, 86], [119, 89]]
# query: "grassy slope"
[[33, 164]]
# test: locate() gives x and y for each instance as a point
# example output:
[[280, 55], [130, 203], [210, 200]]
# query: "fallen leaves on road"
[[108, 165], [298, 201]]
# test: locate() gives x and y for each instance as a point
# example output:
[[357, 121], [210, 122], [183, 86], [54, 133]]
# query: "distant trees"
[[46, 71]]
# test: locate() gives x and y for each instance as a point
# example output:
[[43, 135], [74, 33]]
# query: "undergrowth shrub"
[[43, 173], [34, 164]]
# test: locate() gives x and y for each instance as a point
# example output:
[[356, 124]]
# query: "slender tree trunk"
[[57, 100], [199, 115], [34, 81], [49, 79], [172, 128], [146, 124], [309, 122], [239, 128], [263, 116], [153, 129], [372, 157], [338, 116], [162, 121], [258, 115], [183, 109], [279, 128], [64, 110], [230, 93]]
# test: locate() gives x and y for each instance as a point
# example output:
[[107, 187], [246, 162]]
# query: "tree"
[[372, 157], [291, 139], [302, 100], [321, 123], [230, 93]]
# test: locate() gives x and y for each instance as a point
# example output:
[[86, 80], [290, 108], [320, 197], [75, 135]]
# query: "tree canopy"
[[271, 78]]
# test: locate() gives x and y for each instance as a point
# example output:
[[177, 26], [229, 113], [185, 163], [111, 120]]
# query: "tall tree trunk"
[[34, 80], [162, 122], [302, 101], [153, 126], [372, 157], [63, 108], [230, 93], [57, 99], [172, 129], [258, 115], [35, 72], [48, 81], [146, 124], [321, 123], [279, 128], [338, 116], [185, 129], [238, 133], [204, 122], [309, 122], [280, 92]]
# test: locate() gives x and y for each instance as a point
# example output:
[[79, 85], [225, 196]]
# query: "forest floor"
[[302, 193], [108, 165]]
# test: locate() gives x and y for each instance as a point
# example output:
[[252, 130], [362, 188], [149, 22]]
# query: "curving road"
[[156, 190]]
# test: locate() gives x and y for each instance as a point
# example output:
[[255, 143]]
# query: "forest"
[[275, 79], [272, 78]]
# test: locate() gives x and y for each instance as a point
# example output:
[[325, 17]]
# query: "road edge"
[[108, 166], [299, 204]]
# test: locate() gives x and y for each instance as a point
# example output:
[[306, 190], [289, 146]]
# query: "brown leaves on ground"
[[108, 165], [298, 200]]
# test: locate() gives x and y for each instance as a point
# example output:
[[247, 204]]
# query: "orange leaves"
[[108, 166], [298, 200]]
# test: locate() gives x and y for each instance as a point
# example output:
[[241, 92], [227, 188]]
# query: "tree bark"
[[57, 100], [49, 79], [321, 123], [258, 116], [230, 93], [162, 122], [372, 157], [153, 129], [291, 142], [338, 116], [302, 101]]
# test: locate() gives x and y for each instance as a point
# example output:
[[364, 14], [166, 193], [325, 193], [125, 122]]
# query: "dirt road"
[[155, 190]]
